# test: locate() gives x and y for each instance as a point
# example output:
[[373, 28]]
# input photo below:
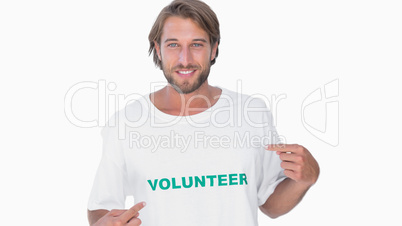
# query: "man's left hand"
[[297, 162]]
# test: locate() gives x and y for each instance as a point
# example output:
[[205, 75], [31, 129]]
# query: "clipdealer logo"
[[319, 110]]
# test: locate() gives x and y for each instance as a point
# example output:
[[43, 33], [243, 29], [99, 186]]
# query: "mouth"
[[186, 73]]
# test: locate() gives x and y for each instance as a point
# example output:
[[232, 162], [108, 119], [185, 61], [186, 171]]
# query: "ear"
[[213, 53], [158, 50]]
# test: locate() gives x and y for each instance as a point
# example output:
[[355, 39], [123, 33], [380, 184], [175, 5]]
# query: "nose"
[[185, 57]]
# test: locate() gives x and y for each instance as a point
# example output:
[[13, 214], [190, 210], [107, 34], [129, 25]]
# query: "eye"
[[197, 44], [173, 45]]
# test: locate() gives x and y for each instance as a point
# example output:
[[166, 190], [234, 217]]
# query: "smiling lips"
[[185, 73]]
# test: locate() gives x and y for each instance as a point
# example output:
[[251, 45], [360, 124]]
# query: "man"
[[194, 153]]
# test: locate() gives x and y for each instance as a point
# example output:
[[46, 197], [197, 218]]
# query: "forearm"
[[285, 197], [95, 215]]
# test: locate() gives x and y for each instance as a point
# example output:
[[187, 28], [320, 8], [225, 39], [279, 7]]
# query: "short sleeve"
[[271, 171], [108, 191], [272, 175]]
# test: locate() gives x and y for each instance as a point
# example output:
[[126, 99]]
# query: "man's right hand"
[[122, 217]]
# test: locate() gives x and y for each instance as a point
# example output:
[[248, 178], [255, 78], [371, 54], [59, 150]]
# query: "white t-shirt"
[[209, 169]]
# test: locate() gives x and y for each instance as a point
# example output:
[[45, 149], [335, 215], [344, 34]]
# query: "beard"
[[186, 86]]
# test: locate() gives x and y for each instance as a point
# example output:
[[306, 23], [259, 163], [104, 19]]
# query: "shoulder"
[[134, 108], [245, 100], [133, 112]]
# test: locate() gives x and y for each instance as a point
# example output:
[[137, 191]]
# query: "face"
[[185, 52]]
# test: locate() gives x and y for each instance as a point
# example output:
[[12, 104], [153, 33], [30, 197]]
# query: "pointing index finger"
[[280, 148], [130, 213]]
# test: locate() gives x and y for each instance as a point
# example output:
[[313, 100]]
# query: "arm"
[[302, 171], [286, 196], [95, 215]]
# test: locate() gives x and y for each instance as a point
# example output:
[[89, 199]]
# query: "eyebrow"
[[194, 40]]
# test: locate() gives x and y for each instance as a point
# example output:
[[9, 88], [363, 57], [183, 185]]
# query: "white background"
[[47, 164]]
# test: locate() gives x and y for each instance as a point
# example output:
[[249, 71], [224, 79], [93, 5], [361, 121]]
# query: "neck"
[[169, 101]]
